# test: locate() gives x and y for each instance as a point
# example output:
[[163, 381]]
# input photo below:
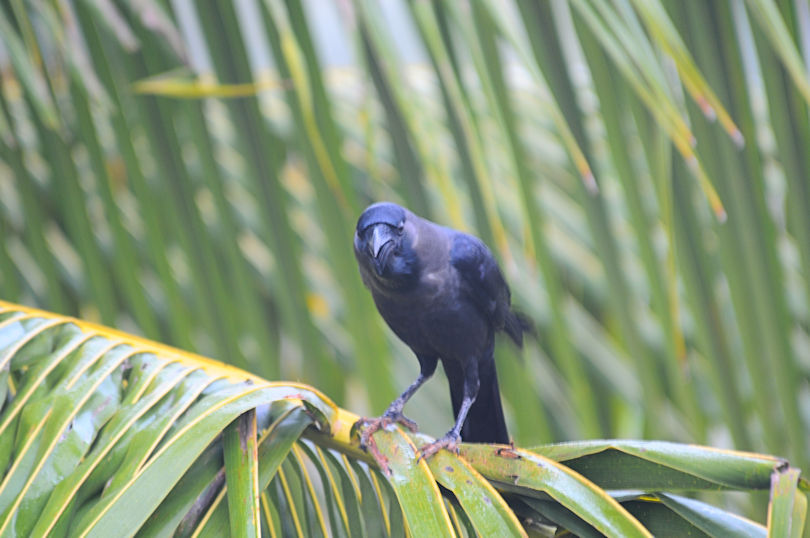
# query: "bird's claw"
[[450, 441], [372, 425], [369, 426], [401, 419]]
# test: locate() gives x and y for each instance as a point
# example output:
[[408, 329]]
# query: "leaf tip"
[[590, 182], [738, 138]]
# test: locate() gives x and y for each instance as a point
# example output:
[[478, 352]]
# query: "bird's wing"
[[481, 279]]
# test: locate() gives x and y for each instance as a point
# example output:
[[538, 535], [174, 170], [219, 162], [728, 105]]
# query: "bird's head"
[[382, 245]]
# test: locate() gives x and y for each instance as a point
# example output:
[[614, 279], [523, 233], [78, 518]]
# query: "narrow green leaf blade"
[[242, 475], [490, 514], [132, 505], [651, 464], [788, 506], [527, 473], [415, 487], [274, 446], [711, 520]]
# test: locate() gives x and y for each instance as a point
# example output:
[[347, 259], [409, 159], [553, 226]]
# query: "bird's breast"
[[434, 318]]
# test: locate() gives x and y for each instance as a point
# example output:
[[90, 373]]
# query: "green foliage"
[[109, 435], [639, 166]]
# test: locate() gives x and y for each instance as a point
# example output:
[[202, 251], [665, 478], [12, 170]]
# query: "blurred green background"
[[192, 172]]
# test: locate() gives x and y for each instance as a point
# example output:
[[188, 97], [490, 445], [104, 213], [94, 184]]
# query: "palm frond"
[[107, 434], [639, 167]]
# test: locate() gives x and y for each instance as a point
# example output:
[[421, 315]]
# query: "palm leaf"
[[193, 175], [108, 434]]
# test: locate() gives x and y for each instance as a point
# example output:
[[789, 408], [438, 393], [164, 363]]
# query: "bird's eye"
[[401, 226]]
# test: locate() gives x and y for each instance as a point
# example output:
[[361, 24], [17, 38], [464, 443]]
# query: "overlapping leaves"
[[103, 434]]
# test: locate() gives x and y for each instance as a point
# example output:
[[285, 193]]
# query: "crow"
[[442, 293]]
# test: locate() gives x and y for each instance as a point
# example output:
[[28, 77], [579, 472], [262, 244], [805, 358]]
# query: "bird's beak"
[[380, 236]]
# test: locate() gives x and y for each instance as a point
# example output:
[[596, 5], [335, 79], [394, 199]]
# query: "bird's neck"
[[403, 277]]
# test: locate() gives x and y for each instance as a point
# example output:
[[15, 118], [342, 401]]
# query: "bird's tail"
[[485, 421], [516, 324]]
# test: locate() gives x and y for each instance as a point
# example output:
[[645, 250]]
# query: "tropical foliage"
[[105, 434], [192, 174]]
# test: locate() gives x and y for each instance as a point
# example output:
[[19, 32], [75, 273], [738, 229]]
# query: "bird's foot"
[[401, 419], [450, 441], [369, 426]]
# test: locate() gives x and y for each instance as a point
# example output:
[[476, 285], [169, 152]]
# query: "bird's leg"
[[394, 412], [451, 439]]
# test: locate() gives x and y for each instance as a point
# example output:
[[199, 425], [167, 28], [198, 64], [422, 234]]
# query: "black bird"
[[442, 293]]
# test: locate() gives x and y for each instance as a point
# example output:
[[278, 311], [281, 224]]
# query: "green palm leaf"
[[113, 435], [193, 174]]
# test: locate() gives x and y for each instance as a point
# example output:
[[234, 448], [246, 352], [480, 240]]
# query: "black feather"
[[518, 323], [381, 213], [441, 291]]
